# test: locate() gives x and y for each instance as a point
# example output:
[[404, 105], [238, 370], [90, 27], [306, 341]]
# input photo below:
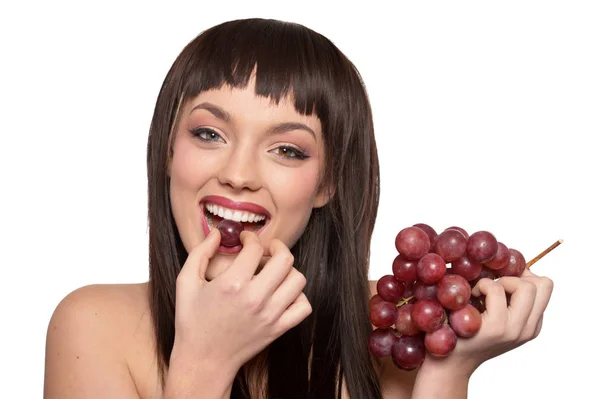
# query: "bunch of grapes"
[[426, 305]]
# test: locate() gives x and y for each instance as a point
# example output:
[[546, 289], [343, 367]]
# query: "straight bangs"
[[288, 60]]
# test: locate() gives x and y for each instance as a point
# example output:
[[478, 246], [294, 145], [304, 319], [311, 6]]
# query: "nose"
[[240, 170]]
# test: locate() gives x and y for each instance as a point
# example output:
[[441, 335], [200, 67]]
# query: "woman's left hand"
[[506, 325]]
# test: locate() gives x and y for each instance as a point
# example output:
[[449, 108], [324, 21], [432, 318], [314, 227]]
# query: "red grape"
[[381, 341], [409, 289], [404, 323], [408, 352], [501, 258], [450, 245], [516, 265], [478, 302], [485, 273], [428, 314], [424, 291], [431, 268], [453, 292], [412, 243], [383, 314], [390, 289], [375, 299], [431, 233], [441, 341], [466, 267], [465, 322], [463, 231], [230, 232], [482, 246], [404, 270]]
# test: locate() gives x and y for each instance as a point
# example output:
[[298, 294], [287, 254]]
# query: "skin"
[[249, 299]]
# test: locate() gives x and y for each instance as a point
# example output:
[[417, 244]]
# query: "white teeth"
[[236, 215]]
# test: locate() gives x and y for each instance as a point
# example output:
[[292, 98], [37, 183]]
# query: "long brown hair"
[[333, 252]]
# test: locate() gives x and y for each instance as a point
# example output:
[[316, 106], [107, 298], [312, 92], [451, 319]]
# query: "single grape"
[[412, 243], [381, 341], [409, 289], [463, 231], [383, 314], [501, 259], [408, 352], [431, 268], [431, 233], [404, 270], [390, 289], [516, 265], [375, 299], [428, 314], [478, 302], [453, 292], [482, 246], [466, 322], [466, 267], [485, 273], [441, 341], [230, 232], [404, 323], [425, 291], [450, 245]]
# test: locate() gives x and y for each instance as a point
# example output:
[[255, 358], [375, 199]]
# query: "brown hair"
[[333, 252]]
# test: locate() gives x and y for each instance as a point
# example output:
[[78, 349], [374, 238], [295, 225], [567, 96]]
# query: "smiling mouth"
[[250, 221]]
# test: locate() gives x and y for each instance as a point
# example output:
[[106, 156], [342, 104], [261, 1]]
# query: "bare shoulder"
[[90, 339], [395, 383]]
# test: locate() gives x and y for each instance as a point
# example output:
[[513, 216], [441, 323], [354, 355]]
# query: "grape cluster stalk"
[[426, 305]]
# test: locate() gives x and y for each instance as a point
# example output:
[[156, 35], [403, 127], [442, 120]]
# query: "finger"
[[528, 273], [299, 310], [289, 290], [245, 264], [275, 270], [495, 300], [195, 265], [544, 287], [538, 327], [522, 298]]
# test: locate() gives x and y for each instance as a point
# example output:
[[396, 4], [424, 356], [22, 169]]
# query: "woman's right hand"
[[236, 315]]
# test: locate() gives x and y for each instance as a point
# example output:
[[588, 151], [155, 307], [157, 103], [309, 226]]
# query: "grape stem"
[[543, 253], [404, 301]]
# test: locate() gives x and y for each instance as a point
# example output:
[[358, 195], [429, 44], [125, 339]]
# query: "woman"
[[267, 123]]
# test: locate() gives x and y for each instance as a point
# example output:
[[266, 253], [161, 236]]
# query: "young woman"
[[266, 123]]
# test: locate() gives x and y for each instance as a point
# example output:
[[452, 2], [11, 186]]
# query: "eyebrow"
[[225, 116]]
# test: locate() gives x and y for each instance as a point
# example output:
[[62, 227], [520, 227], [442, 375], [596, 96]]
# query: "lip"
[[242, 206], [239, 206]]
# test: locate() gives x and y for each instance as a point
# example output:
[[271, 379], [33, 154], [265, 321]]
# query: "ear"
[[324, 196]]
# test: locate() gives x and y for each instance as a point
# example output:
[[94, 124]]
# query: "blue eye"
[[289, 152], [206, 134]]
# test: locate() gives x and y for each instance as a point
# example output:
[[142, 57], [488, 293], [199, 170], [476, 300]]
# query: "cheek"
[[186, 177], [296, 190]]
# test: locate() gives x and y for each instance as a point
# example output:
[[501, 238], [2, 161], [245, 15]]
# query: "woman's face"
[[240, 156]]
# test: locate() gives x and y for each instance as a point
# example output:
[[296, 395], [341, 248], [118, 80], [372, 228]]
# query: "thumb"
[[195, 265]]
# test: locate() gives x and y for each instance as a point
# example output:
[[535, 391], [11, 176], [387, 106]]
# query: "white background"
[[486, 116]]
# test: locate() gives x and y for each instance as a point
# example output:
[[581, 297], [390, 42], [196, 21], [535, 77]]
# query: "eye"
[[289, 152], [206, 134]]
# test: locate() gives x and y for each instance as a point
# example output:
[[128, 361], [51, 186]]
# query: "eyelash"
[[200, 132]]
